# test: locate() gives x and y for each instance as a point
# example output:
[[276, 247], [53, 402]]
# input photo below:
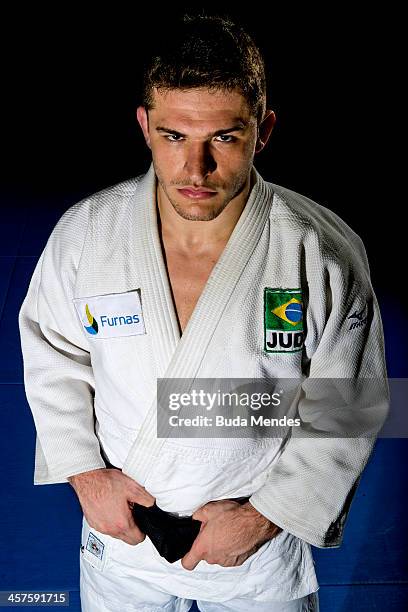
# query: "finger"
[[191, 560], [136, 488], [194, 555], [213, 509], [143, 498], [200, 514], [209, 509], [133, 486], [241, 559], [133, 540], [133, 535]]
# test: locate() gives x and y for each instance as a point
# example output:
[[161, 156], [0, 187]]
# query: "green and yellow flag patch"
[[283, 320]]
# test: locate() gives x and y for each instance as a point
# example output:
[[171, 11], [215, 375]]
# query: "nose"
[[199, 162]]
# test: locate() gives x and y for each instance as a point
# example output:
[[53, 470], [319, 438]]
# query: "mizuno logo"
[[358, 315], [361, 317]]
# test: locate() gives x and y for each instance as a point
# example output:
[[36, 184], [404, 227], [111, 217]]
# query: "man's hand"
[[229, 534], [106, 496]]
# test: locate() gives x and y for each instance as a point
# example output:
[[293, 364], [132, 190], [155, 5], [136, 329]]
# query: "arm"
[[58, 374], [310, 487], [60, 387]]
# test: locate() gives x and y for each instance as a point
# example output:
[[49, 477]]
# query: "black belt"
[[171, 535]]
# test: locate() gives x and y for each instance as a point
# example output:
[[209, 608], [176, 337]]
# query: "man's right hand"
[[106, 496]]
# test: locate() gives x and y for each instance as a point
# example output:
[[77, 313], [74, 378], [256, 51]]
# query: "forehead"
[[199, 107]]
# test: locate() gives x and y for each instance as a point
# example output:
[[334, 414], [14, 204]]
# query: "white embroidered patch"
[[111, 315], [95, 546]]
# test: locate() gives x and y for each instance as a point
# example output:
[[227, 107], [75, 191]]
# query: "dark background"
[[70, 84]]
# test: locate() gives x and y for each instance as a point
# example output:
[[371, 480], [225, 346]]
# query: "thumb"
[[200, 515], [191, 559], [141, 496]]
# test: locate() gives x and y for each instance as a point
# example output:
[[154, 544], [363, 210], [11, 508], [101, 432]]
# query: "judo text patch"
[[283, 320], [111, 315]]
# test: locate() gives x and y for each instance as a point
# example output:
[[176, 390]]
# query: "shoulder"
[[102, 207], [316, 224], [85, 219], [103, 201]]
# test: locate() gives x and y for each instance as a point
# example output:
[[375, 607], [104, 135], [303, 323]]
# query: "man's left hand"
[[229, 534]]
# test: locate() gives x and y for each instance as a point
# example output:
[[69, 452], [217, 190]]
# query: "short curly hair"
[[208, 51]]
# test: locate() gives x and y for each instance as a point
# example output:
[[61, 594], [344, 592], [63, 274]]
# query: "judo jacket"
[[98, 327]]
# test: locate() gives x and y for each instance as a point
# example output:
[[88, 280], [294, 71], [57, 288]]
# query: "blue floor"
[[40, 526]]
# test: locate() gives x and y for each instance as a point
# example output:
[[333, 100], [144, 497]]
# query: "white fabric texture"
[[281, 572], [97, 595], [96, 397], [104, 593]]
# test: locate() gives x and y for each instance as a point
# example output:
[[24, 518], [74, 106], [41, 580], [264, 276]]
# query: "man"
[[174, 275]]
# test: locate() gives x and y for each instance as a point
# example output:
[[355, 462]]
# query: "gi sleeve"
[[58, 376], [310, 486]]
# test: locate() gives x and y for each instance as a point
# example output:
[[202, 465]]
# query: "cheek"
[[249, 149], [168, 151], [236, 160], [166, 159]]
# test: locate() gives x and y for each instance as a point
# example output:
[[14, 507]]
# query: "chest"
[[188, 275]]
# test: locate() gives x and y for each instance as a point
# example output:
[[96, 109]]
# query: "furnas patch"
[[283, 320], [111, 315]]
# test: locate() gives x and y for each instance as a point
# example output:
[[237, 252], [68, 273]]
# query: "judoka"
[[198, 269]]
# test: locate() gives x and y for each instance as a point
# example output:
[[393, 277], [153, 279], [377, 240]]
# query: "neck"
[[188, 234]]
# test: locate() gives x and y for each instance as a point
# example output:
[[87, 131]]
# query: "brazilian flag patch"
[[283, 320]]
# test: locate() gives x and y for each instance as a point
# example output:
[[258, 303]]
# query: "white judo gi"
[[98, 327]]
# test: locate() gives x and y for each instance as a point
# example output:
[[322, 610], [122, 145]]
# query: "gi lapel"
[[149, 266], [181, 358]]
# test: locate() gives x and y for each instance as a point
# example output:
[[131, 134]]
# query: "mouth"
[[197, 194]]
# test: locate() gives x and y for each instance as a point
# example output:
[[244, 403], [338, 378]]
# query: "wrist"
[[74, 479], [265, 528]]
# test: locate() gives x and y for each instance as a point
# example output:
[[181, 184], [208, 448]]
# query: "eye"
[[224, 136], [173, 137]]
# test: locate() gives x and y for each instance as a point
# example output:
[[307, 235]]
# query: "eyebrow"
[[240, 127]]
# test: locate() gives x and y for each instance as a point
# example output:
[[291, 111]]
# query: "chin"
[[197, 211], [194, 213]]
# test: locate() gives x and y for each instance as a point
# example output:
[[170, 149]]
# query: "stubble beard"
[[206, 215]]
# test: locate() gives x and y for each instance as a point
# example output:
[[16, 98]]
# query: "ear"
[[141, 114], [265, 129]]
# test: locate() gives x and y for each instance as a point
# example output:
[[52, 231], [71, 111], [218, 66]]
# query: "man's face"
[[200, 140]]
